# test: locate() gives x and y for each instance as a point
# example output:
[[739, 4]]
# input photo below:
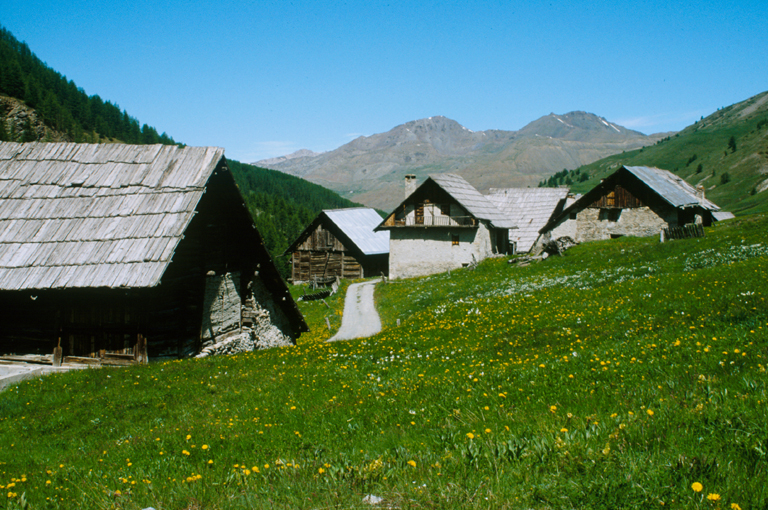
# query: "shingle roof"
[[529, 209], [358, 223], [472, 200], [95, 215], [670, 187]]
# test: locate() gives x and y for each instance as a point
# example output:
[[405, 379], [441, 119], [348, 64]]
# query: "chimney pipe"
[[410, 184], [700, 192]]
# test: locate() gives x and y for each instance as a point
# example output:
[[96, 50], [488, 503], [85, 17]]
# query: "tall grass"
[[625, 374]]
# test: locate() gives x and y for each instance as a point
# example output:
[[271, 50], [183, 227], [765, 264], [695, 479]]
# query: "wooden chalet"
[[633, 201], [340, 243], [127, 253], [444, 224]]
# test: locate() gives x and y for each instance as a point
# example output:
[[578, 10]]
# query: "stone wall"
[[430, 250], [593, 224], [232, 325]]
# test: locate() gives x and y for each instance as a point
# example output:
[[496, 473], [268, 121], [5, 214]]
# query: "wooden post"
[[140, 351], [328, 323]]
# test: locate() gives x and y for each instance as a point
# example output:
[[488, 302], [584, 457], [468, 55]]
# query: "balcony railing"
[[436, 221]]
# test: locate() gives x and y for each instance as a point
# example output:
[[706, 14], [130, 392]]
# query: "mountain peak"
[[578, 126]]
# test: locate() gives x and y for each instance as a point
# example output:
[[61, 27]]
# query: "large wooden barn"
[[633, 201], [340, 243], [120, 252]]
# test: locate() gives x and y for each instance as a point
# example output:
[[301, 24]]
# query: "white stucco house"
[[444, 224]]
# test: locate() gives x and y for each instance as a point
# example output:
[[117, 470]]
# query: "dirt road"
[[360, 319]]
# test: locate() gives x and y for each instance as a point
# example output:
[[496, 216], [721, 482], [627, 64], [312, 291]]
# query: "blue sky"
[[263, 79]]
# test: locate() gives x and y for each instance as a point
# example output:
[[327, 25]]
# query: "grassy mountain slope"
[[626, 374], [736, 180]]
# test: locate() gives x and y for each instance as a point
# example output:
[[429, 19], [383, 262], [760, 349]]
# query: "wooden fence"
[[684, 232]]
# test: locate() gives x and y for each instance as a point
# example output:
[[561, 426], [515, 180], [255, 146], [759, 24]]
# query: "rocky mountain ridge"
[[370, 169]]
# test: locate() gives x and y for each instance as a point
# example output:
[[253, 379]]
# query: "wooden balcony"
[[435, 221]]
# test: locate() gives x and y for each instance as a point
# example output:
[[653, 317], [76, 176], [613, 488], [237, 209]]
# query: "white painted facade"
[[421, 251]]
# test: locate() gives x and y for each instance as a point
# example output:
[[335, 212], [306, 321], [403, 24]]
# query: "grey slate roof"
[[529, 209], [472, 200], [95, 215], [670, 187], [358, 224]]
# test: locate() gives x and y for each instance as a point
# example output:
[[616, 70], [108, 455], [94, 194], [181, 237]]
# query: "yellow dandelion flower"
[[412, 463], [735, 506], [204, 447], [470, 435], [713, 496], [650, 412], [697, 487]]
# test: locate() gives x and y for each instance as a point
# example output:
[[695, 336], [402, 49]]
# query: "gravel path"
[[360, 319]]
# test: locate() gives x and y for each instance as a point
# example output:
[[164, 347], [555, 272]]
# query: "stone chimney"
[[700, 192], [410, 184]]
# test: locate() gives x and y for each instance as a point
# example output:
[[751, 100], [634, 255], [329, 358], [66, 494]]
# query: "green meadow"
[[625, 374]]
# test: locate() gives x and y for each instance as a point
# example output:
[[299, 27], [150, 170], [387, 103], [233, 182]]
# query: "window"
[[455, 240], [611, 214], [572, 216]]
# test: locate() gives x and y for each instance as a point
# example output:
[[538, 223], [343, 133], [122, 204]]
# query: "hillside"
[[282, 205], [39, 104], [371, 169], [625, 374], [726, 152]]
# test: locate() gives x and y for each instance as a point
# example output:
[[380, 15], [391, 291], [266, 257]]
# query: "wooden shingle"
[[87, 215]]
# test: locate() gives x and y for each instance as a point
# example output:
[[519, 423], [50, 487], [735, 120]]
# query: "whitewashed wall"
[[424, 251]]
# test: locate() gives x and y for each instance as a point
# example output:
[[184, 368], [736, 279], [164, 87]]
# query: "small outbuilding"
[[340, 243], [529, 209], [123, 253], [444, 224], [633, 201]]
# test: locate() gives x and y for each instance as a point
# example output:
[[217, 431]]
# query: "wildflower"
[[713, 496], [321, 470], [184, 452], [205, 447], [553, 409], [697, 487], [650, 412], [412, 463], [735, 506], [563, 430], [470, 435]]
